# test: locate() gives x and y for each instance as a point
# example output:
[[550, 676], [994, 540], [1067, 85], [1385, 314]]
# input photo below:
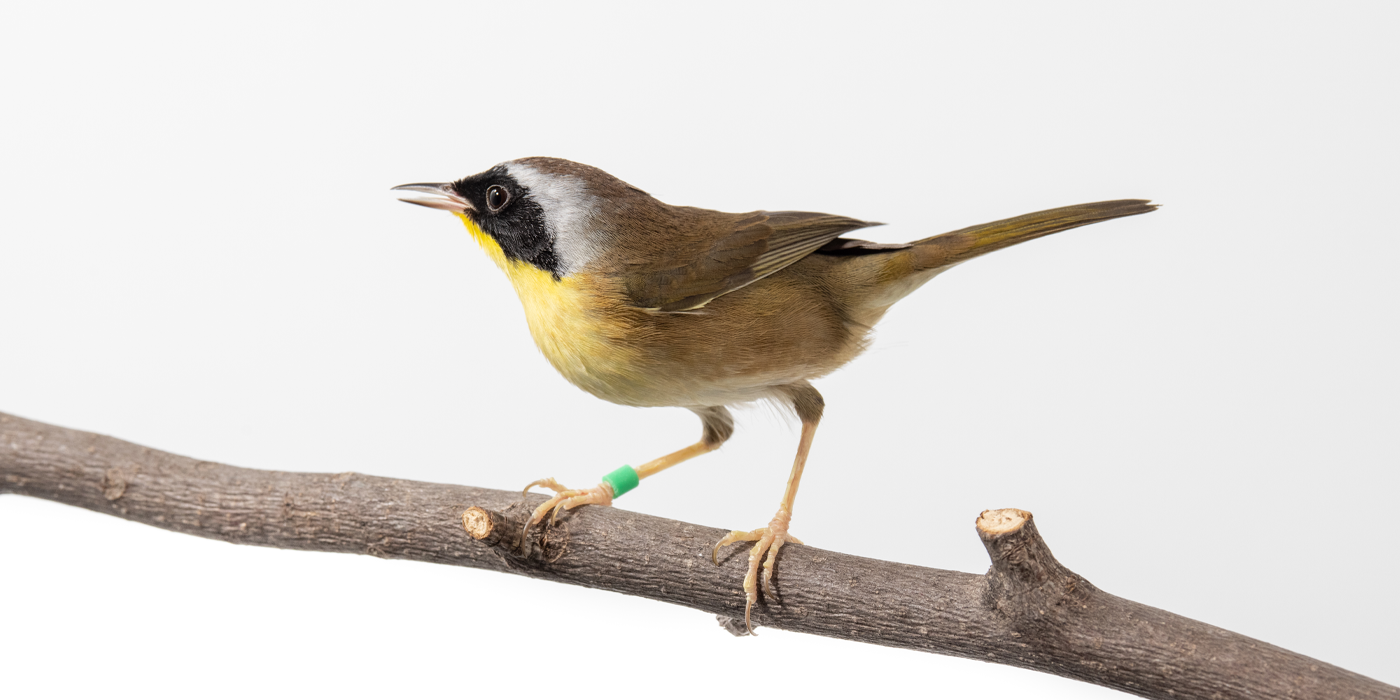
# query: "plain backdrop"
[[199, 252]]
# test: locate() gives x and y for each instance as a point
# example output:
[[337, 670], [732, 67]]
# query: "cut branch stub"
[[1026, 583], [508, 536], [492, 528]]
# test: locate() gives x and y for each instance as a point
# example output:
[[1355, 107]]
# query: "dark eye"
[[496, 198]]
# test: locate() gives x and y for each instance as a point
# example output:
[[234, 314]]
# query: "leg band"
[[622, 480]]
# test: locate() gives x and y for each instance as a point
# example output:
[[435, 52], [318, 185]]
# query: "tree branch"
[[1028, 611]]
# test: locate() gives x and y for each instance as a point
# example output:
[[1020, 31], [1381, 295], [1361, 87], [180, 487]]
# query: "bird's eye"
[[496, 198]]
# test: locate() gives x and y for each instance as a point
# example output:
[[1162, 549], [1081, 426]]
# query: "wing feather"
[[737, 254]]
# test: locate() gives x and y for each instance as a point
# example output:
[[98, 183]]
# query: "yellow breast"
[[569, 321]]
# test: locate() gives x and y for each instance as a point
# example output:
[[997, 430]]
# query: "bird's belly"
[[617, 362], [638, 358]]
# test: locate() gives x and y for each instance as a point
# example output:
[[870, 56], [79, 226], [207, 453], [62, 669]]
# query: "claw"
[[565, 499], [548, 483], [736, 536], [768, 570], [769, 540]]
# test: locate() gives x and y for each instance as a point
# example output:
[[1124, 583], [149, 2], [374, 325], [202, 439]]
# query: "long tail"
[[884, 274], [948, 249]]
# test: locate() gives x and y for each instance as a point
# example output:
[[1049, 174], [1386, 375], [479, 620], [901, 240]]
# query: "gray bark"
[[1027, 611]]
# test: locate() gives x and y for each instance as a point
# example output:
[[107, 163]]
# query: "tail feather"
[[884, 274], [948, 249]]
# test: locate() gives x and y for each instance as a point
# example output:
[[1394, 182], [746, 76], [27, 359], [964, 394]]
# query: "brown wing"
[[738, 253]]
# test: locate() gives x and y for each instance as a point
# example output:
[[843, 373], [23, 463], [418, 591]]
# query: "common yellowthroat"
[[647, 304]]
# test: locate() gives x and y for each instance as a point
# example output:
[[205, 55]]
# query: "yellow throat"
[[565, 326]]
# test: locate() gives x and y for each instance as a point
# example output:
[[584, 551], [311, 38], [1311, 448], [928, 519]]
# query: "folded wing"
[[734, 253]]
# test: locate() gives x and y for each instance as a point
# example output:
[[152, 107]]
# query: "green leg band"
[[622, 480]]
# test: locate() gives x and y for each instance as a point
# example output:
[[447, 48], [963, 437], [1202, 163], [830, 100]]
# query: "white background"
[[199, 252]]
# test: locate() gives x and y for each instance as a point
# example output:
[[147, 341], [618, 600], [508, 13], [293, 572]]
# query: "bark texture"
[[1028, 610]]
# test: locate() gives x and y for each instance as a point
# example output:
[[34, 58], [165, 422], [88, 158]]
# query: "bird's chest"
[[562, 322], [574, 326], [573, 323]]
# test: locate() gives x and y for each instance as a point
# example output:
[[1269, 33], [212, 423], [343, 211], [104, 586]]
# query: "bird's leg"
[[602, 494], [718, 424], [772, 538]]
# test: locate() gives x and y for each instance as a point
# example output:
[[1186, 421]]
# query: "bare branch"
[[1028, 611]]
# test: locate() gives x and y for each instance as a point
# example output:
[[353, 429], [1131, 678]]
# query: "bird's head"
[[550, 213]]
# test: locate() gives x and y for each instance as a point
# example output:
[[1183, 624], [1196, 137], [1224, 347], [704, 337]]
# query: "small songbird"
[[647, 304]]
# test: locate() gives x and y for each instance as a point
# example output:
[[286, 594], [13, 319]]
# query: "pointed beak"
[[437, 195]]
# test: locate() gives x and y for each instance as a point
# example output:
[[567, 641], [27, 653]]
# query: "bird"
[[647, 304]]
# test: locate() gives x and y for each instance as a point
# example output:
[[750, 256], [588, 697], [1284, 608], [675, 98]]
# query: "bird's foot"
[[768, 540], [566, 499]]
